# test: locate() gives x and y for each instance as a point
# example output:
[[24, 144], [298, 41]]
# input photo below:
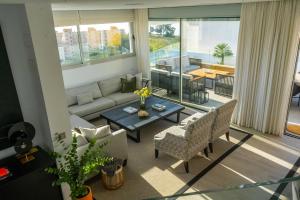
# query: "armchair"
[[184, 142], [222, 122]]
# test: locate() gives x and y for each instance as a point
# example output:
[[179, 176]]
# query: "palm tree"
[[221, 51]]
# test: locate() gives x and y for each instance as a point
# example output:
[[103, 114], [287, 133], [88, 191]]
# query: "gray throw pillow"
[[139, 79], [85, 98], [128, 85]]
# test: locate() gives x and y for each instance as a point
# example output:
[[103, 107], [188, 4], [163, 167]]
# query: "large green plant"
[[221, 51], [73, 169]]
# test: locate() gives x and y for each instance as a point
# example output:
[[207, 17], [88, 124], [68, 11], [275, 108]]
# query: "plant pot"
[[89, 196], [115, 181]]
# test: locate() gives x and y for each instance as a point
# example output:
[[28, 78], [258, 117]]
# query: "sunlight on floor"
[[250, 180], [267, 156], [150, 176], [279, 146]]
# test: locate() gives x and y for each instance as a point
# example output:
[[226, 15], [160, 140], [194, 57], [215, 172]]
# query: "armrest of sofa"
[[118, 146]]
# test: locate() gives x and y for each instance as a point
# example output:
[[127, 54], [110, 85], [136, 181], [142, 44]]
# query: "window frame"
[[101, 60]]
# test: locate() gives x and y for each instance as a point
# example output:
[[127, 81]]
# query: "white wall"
[[19, 48], [43, 36], [90, 73]]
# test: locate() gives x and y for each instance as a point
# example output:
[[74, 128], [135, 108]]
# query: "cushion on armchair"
[[81, 141], [95, 133]]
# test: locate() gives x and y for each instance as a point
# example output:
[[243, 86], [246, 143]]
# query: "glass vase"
[[142, 103]]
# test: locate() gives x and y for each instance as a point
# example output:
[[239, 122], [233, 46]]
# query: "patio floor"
[[214, 99]]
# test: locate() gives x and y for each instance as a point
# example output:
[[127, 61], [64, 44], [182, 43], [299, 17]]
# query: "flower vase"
[[142, 103]]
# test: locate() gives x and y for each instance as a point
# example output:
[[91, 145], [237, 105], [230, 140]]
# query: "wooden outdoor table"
[[208, 73]]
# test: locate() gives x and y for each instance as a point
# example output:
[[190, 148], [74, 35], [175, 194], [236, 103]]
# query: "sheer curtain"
[[268, 40], [142, 40]]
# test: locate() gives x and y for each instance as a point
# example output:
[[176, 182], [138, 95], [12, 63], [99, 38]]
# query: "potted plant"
[[74, 169], [112, 174]]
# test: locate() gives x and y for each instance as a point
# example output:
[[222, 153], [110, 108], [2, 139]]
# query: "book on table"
[[158, 107], [130, 110]]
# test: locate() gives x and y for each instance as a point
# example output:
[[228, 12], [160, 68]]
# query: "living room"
[[159, 100]]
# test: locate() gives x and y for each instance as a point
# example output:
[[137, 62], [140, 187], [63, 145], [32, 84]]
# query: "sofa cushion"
[[111, 85], [128, 85], [93, 107], [81, 140], [73, 92], [96, 133], [120, 98], [85, 98], [139, 79]]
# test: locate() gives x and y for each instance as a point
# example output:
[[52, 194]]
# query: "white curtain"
[[142, 41], [268, 40]]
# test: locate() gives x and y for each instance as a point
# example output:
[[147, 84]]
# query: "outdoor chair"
[[224, 85], [191, 87], [160, 79]]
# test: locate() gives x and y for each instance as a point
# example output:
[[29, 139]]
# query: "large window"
[[213, 40], [86, 43], [193, 60], [164, 40], [68, 46]]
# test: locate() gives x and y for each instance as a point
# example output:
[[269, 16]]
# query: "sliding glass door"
[[198, 56], [208, 52], [164, 58]]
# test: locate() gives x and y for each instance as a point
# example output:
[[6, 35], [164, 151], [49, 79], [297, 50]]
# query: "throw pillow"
[[81, 141], [128, 85], [95, 133], [139, 79], [85, 98]]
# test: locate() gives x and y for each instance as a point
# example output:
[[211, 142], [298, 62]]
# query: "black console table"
[[29, 181]]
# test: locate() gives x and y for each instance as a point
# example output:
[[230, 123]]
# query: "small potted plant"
[[75, 170], [112, 174]]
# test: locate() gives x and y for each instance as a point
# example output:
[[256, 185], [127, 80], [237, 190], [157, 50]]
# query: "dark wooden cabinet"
[[29, 181]]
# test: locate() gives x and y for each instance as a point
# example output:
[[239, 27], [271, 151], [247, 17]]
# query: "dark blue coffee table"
[[132, 123]]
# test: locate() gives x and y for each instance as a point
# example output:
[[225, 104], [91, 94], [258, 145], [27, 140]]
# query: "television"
[[10, 110]]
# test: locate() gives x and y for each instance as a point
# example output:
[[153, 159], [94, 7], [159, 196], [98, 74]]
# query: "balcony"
[[205, 84]]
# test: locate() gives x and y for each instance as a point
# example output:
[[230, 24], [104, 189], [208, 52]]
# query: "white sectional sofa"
[[116, 142], [105, 93]]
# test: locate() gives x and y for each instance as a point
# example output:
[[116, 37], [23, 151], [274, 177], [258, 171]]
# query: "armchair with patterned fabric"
[[184, 142]]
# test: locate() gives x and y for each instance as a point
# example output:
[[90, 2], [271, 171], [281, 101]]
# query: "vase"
[[89, 196], [142, 103]]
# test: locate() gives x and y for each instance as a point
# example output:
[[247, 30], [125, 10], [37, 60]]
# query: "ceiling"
[[130, 4]]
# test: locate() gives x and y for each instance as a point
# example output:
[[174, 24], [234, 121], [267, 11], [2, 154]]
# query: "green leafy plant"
[[222, 50], [73, 169]]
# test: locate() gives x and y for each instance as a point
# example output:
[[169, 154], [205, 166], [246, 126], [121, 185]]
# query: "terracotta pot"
[[115, 181], [89, 196]]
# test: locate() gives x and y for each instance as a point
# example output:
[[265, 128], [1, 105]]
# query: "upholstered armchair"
[[184, 142], [222, 122]]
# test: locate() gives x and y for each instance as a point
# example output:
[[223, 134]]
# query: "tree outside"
[[221, 51]]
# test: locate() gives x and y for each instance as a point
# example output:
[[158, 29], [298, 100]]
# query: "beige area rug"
[[257, 159]]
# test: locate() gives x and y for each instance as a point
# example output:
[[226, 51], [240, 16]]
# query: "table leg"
[[178, 117], [137, 138]]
